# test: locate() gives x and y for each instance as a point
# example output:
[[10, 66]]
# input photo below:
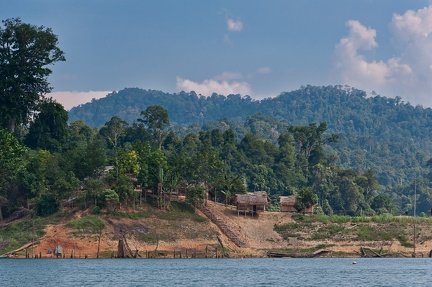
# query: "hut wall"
[[288, 208]]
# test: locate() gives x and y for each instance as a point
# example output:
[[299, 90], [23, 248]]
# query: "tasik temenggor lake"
[[217, 272]]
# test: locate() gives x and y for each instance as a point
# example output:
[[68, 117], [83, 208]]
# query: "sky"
[[248, 47]]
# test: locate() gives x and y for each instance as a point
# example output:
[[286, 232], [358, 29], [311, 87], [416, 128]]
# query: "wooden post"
[[120, 249]]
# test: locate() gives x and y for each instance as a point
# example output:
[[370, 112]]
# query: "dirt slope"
[[192, 238]]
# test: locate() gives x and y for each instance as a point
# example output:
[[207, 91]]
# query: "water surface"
[[216, 272]]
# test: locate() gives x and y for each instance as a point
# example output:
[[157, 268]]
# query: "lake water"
[[216, 272]]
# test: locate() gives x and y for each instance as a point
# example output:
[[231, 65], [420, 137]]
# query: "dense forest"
[[53, 162], [383, 134], [332, 147]]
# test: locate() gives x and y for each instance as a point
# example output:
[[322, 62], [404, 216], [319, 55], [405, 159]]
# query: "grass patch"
[[404, 242], [288, 230], [328, 231], [182, 211], [88, 225], [13, 236]]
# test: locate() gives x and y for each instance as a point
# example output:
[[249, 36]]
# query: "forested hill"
[[184, 108], [385, 134]]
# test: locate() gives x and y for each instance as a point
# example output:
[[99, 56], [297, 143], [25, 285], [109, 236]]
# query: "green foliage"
[[195, 195], [305, 199], [90, 224], [373, 131], [13, 236], [25, 53], [327, 231], [96, 210], [404, 242], [11, 164], [110, 199], [49, 129], [46, 205]]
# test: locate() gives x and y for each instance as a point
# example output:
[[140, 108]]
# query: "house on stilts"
[[251, 202]]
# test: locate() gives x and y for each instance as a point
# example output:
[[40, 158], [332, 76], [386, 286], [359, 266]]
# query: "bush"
[[46, 205], [96, 210]]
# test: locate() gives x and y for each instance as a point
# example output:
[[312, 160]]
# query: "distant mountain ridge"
[[386, 134]]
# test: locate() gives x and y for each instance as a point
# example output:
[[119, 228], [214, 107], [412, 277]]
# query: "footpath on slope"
[[254, 235]]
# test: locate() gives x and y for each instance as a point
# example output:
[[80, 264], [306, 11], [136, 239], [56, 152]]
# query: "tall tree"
[[49, 129], [309, 138], [156, 118], [25, 53]]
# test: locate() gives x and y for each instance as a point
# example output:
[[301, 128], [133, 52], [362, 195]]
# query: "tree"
[[11, 155], [305, 199], [113, 131], [156, 119], [49, 129], [309, 138], [25, 53], [46, 205], [111, 199]]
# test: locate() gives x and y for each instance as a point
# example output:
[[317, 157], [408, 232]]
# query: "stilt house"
[[251, 202]]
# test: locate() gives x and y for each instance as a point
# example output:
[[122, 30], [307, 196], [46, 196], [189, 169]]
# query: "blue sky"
[[249, 47]]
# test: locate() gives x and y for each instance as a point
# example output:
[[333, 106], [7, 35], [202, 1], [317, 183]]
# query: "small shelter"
[[252, 202], [58, 251], [288, 202]]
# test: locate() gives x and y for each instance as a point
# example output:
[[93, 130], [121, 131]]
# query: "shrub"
[[46, 205]]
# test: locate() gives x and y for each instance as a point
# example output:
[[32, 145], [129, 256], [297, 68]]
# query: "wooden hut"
[[287, 205], [251, 202]]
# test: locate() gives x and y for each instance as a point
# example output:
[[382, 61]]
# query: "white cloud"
[[222, 85], [264, 70], [234, 26], [408, 74], [73, 99]]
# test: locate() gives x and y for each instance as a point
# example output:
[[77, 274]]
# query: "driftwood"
[[220, 242], [21, 248], [365, 254], [297, 254], [319, 252]]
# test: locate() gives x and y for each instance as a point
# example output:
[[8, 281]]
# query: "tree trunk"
[[99, 240], [11, 125], [120, 249]]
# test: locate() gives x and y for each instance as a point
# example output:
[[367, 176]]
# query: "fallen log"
[[319, 252], [20, 249]]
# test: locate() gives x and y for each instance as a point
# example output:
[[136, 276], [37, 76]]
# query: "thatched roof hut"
[[287, 203], [252, 202]]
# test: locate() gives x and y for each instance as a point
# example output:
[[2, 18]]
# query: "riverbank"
[[152, 233]]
